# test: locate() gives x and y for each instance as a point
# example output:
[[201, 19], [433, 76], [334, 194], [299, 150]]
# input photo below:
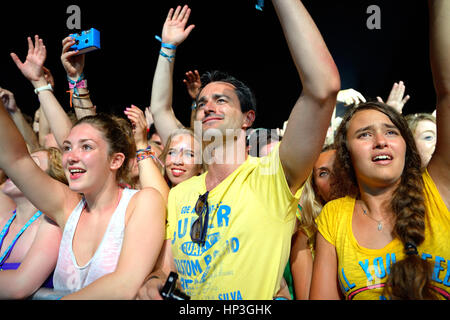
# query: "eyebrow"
[[387, 125], [81, 141], [214, 96]]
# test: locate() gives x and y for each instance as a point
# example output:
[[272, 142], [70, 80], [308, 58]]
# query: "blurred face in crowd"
[[180, 160], [377, 149], [322, 173], [425, 137]]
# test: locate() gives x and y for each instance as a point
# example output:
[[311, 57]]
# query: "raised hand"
[[396, 99], [193, 83], [72, 63], [350, 96], [32, 67], [174, 29], [139, 123]]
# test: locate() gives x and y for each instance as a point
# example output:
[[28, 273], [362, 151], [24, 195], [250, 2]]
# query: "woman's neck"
[[378, 202], [104, 200]]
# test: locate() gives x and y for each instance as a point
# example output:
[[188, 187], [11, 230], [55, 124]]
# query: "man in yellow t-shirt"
[[251, 221], [240, 245]]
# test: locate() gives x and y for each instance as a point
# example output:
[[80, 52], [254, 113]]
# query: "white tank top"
[[69, 277]]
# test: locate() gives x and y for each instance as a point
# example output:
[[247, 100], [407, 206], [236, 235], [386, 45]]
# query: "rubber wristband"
[[47, 87]]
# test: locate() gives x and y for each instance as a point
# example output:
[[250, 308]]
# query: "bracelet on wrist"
[[166, 45], [47, 87], [165, 55]]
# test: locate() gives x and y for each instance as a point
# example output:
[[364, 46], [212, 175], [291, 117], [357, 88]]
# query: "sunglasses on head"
[[200, 226]]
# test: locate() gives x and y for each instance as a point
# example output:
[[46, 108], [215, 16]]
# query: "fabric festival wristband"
[[47, 87], [170, 58], [166, 45], [79, 85], [145, 156]]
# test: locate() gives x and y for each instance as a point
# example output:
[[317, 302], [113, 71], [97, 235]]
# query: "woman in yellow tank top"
[[388, 237]]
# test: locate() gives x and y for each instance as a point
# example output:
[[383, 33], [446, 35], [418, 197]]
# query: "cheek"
[[168, 161], [323, 186]]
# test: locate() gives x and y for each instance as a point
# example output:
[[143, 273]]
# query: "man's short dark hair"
[[245, 95]]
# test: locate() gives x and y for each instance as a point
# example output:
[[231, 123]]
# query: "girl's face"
[[425, 137], [180, 160], [41, 159], [85, 158], [377, 149], [322, 173]]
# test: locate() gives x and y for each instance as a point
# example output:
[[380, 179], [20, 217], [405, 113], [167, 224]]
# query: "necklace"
[[380, 226]]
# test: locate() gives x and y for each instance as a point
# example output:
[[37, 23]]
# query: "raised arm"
[[312, 112], [47, 194], [74, 66], [16, 114], [174, 33], [32, 69], [149, 174], [439, 165]]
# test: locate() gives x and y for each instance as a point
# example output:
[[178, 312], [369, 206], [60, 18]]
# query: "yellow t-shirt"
[[251, 220], [362, 272]]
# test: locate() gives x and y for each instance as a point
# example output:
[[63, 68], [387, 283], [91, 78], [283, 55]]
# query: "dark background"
[[229, 35]]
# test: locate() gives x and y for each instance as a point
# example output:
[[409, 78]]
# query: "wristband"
[[166, 45], [165, 55], [146, 153], [47, 87], [79, 85]]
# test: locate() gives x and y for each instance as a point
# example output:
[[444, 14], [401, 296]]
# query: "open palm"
[[32, 67], [174, 29]]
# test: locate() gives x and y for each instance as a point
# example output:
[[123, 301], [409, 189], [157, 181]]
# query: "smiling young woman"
[[106, 228]]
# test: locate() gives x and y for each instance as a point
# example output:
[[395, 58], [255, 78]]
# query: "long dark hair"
[[409, 278]]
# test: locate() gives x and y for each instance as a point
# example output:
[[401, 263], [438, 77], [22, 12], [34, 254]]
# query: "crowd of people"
[[103, 206]]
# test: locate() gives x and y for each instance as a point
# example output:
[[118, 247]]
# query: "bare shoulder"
[[147, 199]]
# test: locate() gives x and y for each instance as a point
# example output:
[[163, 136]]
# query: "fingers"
[[67, 43], [188, 30], [192, 77], [169, 15], [360, 97], [397, 91], [16, 60], [197, 75], [406, 99], [30, 46], [380, 100], [180, 14], [176, 13], [136, 115]]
